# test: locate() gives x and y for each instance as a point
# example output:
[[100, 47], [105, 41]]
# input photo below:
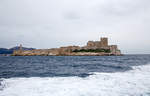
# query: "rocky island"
[[93, 48]]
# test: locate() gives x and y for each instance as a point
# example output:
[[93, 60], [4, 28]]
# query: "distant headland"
[[93, 48], [9, 51]]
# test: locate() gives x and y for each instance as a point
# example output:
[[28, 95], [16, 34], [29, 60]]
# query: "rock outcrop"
[[93, 48]]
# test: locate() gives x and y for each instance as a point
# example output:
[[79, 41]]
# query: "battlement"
[[103, 43]]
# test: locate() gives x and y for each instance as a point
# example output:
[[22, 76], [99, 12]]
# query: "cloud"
[[49, 23]]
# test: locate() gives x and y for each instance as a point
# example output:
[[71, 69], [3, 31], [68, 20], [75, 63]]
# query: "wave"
[[130, 83]]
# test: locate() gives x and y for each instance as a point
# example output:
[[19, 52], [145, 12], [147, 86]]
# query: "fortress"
[[93, 48]]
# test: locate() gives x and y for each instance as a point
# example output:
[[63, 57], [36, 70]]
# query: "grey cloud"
[[49, 23], [72, 15]]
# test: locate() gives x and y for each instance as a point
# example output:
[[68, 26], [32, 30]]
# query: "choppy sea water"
[[127, 75]]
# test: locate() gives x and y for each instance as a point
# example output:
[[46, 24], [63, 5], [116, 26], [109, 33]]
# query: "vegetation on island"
[[93, 50]]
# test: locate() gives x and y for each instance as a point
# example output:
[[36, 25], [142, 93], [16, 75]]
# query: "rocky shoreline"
[[71, 54]]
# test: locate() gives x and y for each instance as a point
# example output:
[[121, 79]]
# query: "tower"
[[20, 47], [104, 42]]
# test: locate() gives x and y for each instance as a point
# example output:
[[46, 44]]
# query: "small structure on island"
[[93, 48], [19, 50], [20, 47]]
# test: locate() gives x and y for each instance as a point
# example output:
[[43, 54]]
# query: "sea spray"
[[130, 83]]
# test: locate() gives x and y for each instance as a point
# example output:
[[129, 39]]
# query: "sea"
[[127, 75]]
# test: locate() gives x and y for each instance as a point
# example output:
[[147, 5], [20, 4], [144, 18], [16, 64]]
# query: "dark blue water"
[[82, 66]]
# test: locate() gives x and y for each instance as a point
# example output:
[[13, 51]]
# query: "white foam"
[[132, 83]]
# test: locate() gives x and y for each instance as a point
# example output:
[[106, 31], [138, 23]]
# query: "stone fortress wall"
[[68, 50], [102, 44]]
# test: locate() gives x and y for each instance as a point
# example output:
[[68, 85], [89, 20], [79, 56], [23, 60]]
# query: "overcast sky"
[[55, 23]]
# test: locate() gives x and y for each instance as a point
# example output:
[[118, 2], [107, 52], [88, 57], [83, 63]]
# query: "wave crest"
[[131, 83]]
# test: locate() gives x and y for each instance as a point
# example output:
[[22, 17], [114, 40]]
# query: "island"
[[92, 48]]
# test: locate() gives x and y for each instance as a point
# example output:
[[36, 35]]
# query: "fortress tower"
[[20, 47], [104, 42]]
